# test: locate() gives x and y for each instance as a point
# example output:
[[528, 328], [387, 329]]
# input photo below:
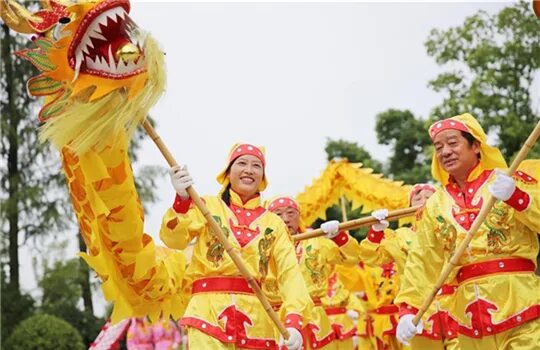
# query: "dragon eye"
[[64, 20]]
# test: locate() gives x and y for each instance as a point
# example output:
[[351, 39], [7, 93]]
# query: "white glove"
[[331, 228], [406, 329], [180, 180], [381, 215], [353, 315], [503, 187], [295, 340]]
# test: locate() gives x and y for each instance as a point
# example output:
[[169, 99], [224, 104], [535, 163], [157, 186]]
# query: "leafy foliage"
[[44, 332]]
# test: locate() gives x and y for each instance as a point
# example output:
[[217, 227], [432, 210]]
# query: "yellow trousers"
[[524, 337], [346, 344], [423, 343]]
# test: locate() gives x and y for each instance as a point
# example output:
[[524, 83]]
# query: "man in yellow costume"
[[497, 302], [223, 312], [316, 258], [384, 246]]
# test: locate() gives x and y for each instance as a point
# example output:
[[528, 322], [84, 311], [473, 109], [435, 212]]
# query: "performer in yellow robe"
[[317, 258], [497, 303], [341, 307], [223, 312], [359, 281], [383, 246]]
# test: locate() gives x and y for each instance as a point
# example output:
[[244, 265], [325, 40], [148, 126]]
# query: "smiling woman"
[[221, 300]]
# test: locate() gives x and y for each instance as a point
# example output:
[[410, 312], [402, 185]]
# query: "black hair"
[[226, 195], [470, 139]]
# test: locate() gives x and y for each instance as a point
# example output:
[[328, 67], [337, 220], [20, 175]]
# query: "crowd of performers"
[[332, 292]]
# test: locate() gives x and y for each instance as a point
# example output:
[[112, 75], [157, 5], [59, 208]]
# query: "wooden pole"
[[343, 210], [362, 222], [216, 229], [486, 208]]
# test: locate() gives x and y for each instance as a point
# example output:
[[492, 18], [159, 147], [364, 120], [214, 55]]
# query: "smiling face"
[[455, 154], [245, 175], [291, 218]]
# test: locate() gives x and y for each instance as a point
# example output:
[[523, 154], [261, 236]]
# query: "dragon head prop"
[[99, 72]]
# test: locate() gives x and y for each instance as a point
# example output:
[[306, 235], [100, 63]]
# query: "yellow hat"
[[490, 157], [240, 149]]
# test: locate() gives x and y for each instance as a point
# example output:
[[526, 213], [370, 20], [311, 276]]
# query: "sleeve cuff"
[[375, 236], [405, 309], [294, 321], [519, 200], [341, 239], [180, 205]]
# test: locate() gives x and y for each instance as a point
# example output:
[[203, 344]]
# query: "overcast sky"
[[286, 76]]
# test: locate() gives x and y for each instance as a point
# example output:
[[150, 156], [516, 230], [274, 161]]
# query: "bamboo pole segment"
[[343, 209], [362, 222], [216, 229], [486, 208]]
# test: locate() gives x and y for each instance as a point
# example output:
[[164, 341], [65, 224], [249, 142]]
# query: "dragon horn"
[[17, 17]]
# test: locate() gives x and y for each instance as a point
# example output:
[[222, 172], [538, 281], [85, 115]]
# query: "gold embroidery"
[[264, 252], [497, 223], [315, 267], [216, 249], [447, 233]]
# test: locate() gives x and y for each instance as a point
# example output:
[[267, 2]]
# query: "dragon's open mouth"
[[107, 43]]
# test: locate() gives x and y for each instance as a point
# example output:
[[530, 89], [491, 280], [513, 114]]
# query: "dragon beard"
[[87, 124]]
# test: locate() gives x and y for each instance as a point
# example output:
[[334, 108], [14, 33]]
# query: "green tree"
[[33, 199], [62, 290], [15, 306], [491, 62], [351, 151], [408, 137], [44, 332]]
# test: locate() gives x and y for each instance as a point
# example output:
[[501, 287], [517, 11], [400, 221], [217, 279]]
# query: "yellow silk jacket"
[[317, 258], [221, 305], [498, 289], [381, 248]]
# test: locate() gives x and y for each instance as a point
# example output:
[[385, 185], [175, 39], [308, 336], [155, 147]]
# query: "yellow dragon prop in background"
[[99, 76]]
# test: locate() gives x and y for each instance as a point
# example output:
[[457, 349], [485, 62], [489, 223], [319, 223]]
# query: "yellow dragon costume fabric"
[[99, 76]]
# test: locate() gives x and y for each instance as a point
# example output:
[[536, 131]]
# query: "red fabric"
[[234, 332], [294, 321], [375, 236], [283, 202], [490, 267], [524, 177], [387, 310], [519, 200], [342, 335], [245, 149], [418, 188], [463, 210], [446, 124], [236, 285], [443, 326], [335, 311], [180, 205], [405, 309], [480, 312], [311, 330], [341, 239], [447, 289]]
